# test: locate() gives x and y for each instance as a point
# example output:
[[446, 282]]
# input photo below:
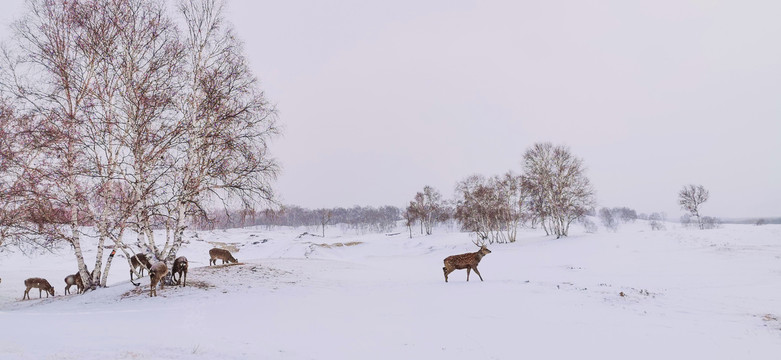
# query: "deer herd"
[[138, 262], [158, 271]]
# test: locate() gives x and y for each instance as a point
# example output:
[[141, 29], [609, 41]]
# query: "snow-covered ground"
[[633, 294]]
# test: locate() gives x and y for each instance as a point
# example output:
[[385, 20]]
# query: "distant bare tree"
[[427, 207], [690, 198], [409, 220], [609, 221], [709, 222], [588, 225], [492, 208], [656, 220], [559, 190], [324, 215]]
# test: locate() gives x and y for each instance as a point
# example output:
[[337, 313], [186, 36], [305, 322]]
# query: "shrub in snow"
[[590, 226], [608, 220]]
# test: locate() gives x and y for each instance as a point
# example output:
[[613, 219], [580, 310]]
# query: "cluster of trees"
[[552, 192], [611, 218], [492, 208], [427, 209], [657, 220], [114, 117]]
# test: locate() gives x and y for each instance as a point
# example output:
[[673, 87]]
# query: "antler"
[[479, 241]]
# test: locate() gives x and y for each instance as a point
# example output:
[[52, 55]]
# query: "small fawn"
[[39, 283], [156, 273], [466, 261], [180, 267], [221, 254], [71, 280]]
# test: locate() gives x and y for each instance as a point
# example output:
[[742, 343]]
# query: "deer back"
[[140, 259], [157, 271], [221, 254]]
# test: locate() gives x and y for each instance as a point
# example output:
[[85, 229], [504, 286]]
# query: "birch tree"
[[559, 189], [50, 72], [427, 208], [690, 198], [227, 121], [492, 208]]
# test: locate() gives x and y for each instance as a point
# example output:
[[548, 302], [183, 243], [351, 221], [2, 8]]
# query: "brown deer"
[[71, 280], [39, 283], [466, 261], [156, 273], [221, 254], [138, 261], [180, 267]]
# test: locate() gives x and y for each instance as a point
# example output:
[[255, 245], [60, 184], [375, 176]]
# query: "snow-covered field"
[[687, 294]]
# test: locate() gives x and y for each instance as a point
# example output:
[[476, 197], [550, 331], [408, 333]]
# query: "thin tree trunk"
[[108, 267]]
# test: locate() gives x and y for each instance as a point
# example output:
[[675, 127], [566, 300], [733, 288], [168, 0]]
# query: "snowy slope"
[[699, 294]]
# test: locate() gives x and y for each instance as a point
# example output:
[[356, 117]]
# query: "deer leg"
[[39, 293], [478, 274], [467, 273], [184, 283], [448, 271]]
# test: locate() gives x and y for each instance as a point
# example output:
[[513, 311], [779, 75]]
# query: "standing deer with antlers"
[[466, 261]]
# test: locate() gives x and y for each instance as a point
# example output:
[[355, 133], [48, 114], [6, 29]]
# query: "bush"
[[608, 220]]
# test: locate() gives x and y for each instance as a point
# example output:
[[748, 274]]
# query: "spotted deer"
[[156, 273], [221, 254], [180, 267], [466, 261], [138, 261], [39, 283], [71, 280]]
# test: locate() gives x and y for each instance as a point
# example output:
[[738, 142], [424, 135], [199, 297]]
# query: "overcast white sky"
[[379, 98]]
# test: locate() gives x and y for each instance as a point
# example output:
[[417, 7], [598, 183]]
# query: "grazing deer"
[[221, 254], [180, 267], [71, 280], [466, 261], [39, 283], [138, 261], [156, 273]]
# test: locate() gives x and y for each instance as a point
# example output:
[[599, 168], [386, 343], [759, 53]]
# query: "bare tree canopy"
[[492, 208], [558, 187], [690, 198], [427, 208]]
